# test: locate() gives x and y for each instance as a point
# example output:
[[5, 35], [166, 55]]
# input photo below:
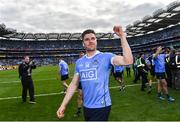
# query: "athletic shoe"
[[161, 98], [170, 99], [32, 102]]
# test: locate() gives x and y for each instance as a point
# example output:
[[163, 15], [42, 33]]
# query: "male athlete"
[[118, 75], [93, 71], [63, 72], [159, 60]]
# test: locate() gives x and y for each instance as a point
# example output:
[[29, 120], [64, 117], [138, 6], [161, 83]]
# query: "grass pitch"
[[131, 104]]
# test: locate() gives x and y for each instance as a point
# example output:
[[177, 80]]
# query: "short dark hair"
[[140, 54], [88, 31], [26, 56]]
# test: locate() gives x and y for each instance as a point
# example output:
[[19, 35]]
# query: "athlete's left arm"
[[127, 57]]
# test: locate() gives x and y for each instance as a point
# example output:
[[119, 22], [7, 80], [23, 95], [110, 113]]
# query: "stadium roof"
[[162, 18], [53, 36], [8, 33], [5, 31]]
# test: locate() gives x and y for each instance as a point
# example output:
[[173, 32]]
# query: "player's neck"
[[90, 53]]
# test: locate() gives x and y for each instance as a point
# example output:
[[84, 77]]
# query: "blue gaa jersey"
[[63, 68], [94, 76], [118, 69], [159, 62]]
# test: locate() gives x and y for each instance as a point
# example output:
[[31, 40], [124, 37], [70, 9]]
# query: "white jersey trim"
[[97, 52], [112, 60]]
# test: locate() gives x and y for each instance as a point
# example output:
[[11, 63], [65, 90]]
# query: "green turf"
[[131, 104]]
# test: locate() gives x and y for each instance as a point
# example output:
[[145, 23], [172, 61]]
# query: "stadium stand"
[[162, 28]]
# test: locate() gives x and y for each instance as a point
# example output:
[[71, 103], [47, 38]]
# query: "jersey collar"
[[97, 52]]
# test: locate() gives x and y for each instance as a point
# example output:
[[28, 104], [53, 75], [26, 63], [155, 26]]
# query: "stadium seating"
[[48, 52]]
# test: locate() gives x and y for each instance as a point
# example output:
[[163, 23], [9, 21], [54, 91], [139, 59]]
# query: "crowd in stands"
[[156, 36], [70, 48]]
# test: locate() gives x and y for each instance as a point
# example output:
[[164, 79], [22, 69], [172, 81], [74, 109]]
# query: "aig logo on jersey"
[[89, 74]]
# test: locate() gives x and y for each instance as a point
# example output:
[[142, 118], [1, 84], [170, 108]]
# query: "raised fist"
[[118, 31]]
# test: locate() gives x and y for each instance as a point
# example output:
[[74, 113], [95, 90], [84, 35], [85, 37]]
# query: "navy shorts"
[[118, 74], [97, 114], [64, 77], [80, 86], [161, 75]]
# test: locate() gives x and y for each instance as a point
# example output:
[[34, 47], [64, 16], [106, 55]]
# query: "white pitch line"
[[38, 95], [51, 94], [33, 80], [10, 82], [113, 87]]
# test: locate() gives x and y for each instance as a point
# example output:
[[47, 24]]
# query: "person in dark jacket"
[[25, 73], [142, 71]]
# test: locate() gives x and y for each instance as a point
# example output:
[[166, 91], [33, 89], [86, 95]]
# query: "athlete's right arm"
[[159, 49], [70, 91]]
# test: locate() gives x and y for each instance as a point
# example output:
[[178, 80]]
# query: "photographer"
[[25, 72]]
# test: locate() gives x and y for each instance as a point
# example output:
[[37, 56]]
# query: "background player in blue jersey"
[[93, 71], [159, 60], [63, 72], [118, 75]]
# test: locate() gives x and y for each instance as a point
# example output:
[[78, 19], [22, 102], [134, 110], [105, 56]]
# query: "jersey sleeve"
[[110, 57], [76, 68], [59, 66]]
